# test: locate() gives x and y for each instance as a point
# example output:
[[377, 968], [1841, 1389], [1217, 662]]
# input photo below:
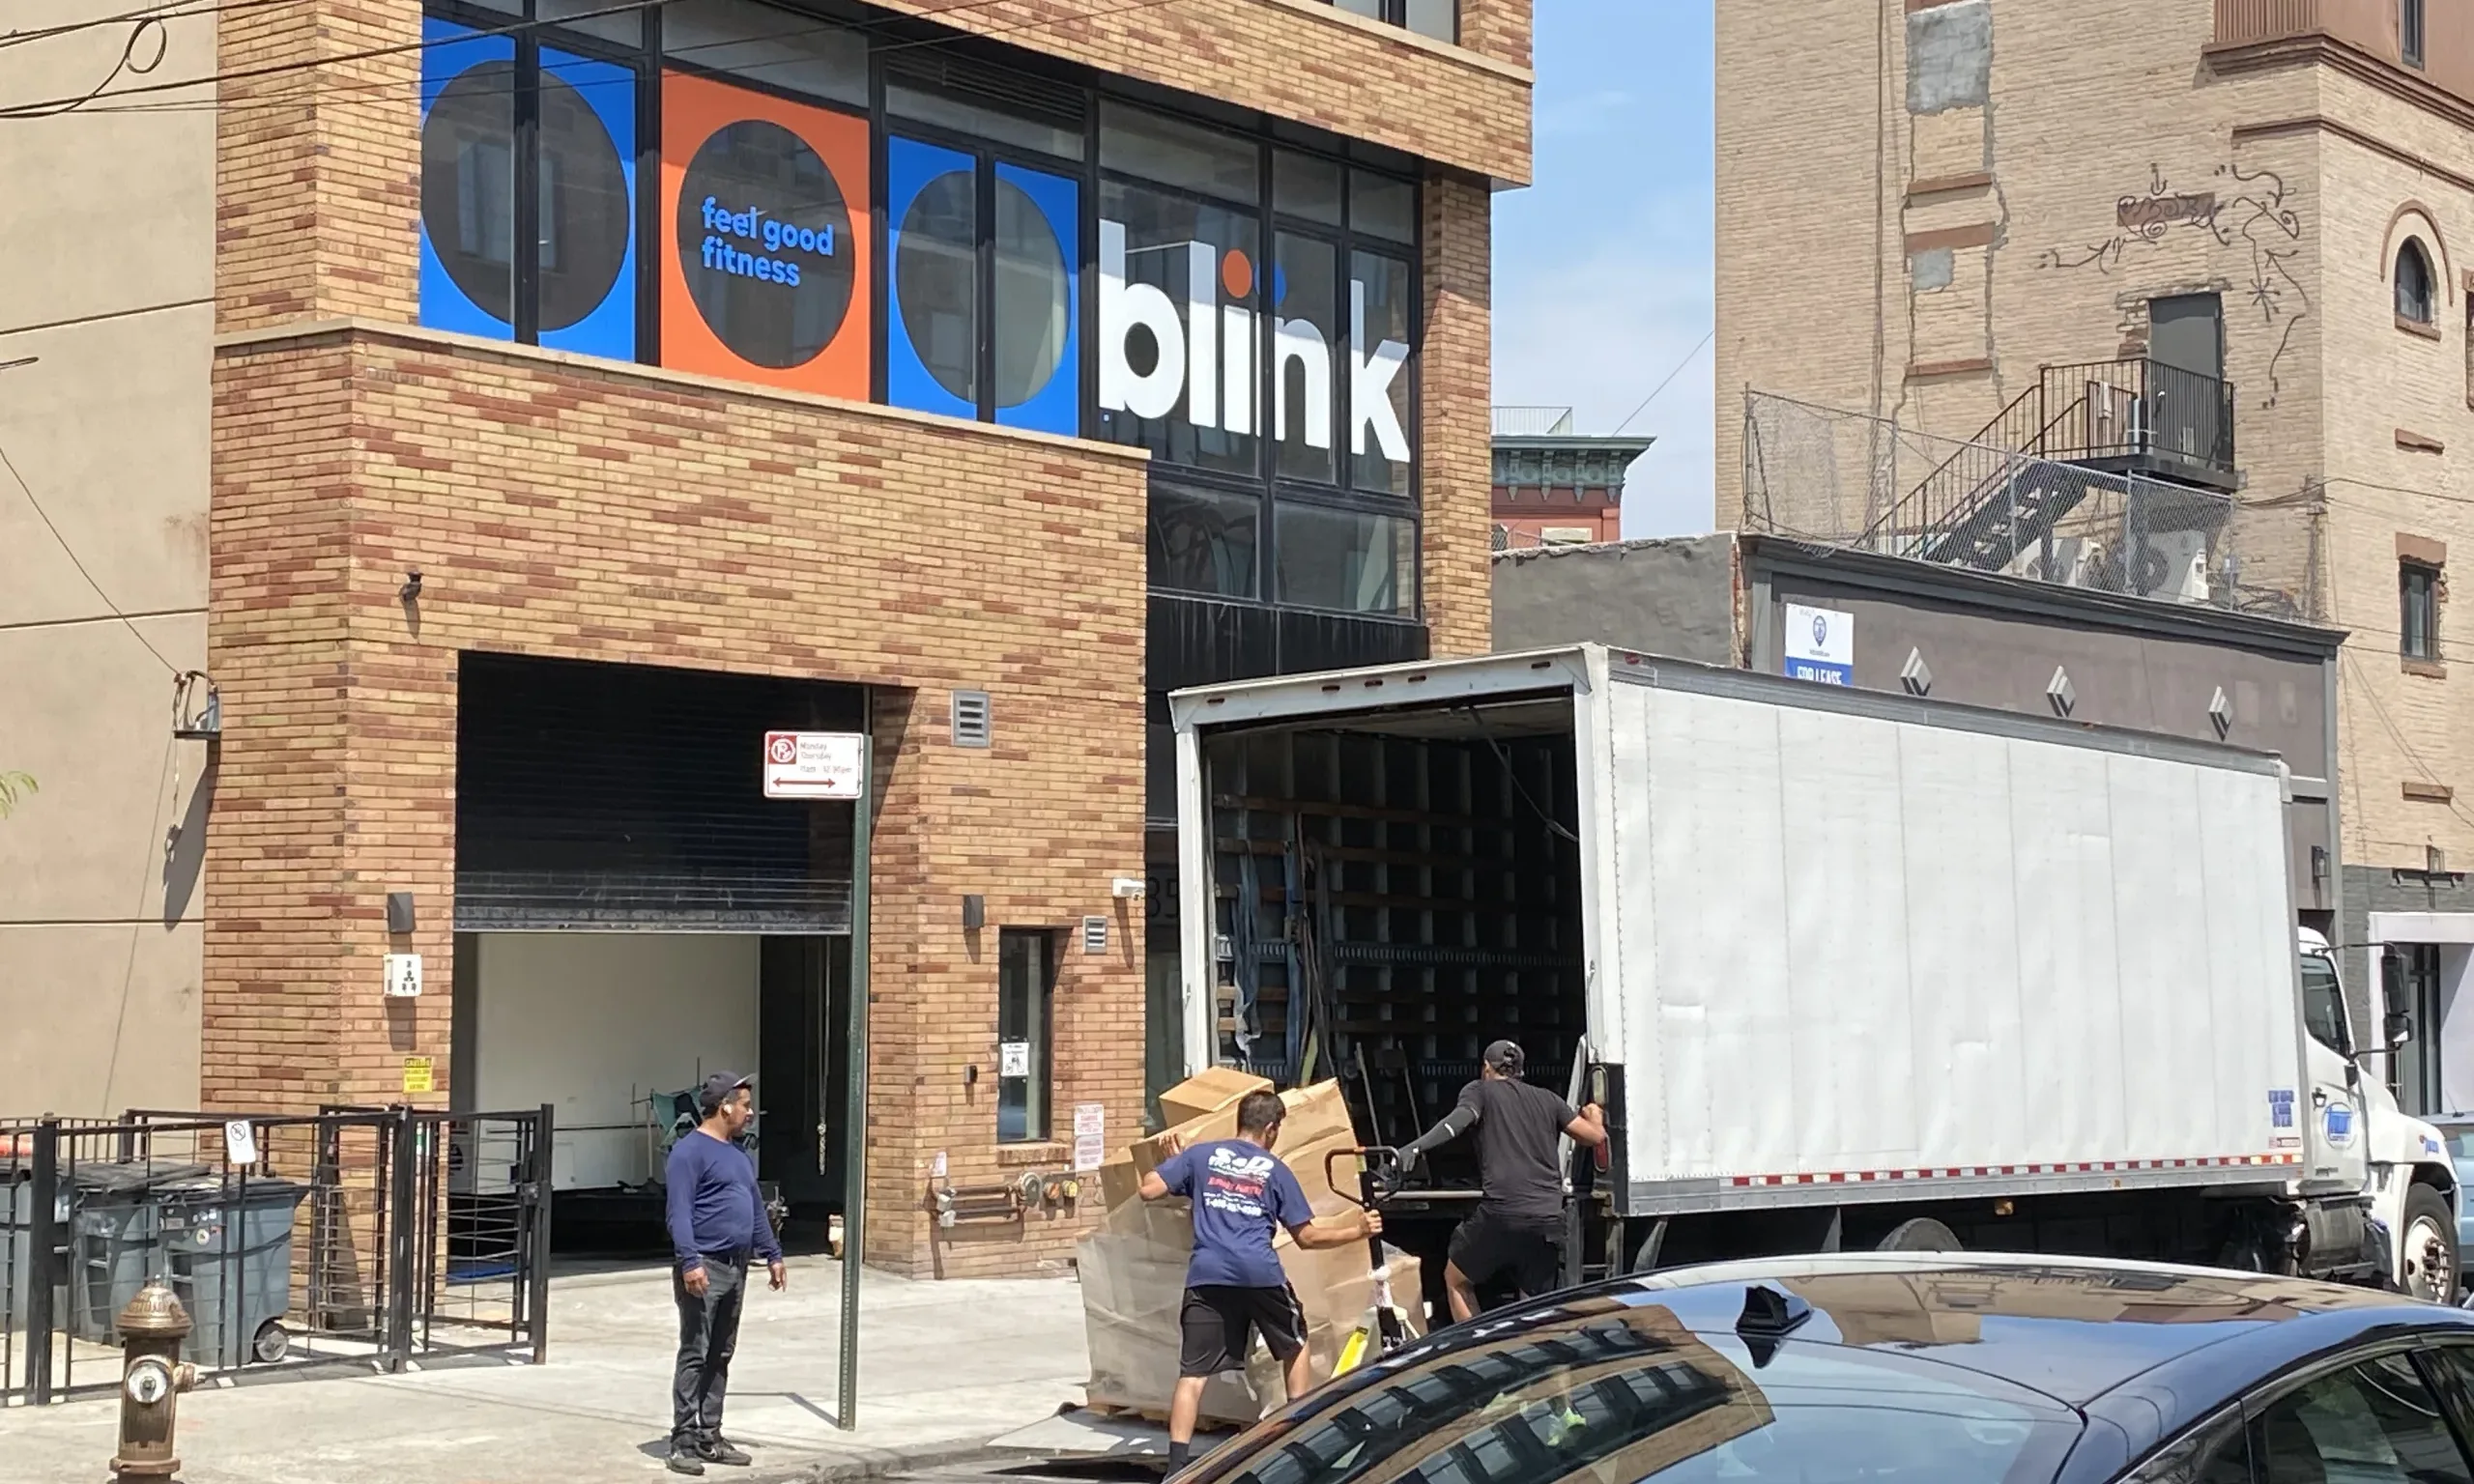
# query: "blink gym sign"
[[1196, 340]]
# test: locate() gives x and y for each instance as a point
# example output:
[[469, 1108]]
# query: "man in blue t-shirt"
[[1241, 1194]]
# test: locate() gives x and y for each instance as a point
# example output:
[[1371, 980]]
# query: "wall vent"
[[970, 719]]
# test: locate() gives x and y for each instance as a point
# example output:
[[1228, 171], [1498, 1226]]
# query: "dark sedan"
[[1892, 1367]]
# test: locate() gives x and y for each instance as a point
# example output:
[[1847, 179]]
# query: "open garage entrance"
[[632, 912]]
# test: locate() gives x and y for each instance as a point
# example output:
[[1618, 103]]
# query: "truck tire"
[[1922, 1234], [2426, 1248]]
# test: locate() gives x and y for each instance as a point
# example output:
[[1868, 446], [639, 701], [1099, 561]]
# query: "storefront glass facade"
[[761, 195]]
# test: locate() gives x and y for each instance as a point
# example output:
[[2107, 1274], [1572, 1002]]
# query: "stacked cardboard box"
[[1134, 1265]]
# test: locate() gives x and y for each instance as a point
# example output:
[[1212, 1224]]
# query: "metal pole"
[[42, 1258], [542, 1170], [854, 1117], [400, 1240]]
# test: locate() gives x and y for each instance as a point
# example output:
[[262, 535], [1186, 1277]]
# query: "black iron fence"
[[358, 1236]]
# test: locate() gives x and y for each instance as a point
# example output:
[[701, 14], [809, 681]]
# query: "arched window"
[[2414, 295]]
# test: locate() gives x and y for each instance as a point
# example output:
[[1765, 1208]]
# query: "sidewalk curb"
[[879, 1462]]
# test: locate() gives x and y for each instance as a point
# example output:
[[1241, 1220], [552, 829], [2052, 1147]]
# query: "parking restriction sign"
[[813, 764]]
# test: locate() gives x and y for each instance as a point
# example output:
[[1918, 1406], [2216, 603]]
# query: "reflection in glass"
[[1379, 421], [1304, 185], [776, 47], [1307, 341], [1179, 338], [587, 201], [1352, 560], [1034, 307], [936, 266], [1205, 541], [468, 183], [1175, 153]]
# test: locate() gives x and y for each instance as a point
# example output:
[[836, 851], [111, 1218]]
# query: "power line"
[[1670, 376], [98, 101], [71, 552]]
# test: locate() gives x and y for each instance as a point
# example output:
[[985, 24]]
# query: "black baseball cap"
[[718, 1090], [1506, 1057]]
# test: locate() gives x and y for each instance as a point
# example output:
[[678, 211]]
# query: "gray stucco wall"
[[1672, 597]]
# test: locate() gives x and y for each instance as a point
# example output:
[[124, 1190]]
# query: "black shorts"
[[1219, 1324], [1490, 1245]]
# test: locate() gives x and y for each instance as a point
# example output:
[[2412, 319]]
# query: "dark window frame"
[[2418, 585], [2426, 311], [1396, 12], [650, 61], [1038, 1113], [2411, 32]]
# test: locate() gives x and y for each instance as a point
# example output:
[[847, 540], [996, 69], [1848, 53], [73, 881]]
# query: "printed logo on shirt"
[[1235, 1182]]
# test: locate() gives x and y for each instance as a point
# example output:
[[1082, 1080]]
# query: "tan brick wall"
[[1457, 448], [589, 511], [1304, 61], [2094, 111]]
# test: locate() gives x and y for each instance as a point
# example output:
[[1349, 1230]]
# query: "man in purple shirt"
[[716, 1221], [1241, 1194]]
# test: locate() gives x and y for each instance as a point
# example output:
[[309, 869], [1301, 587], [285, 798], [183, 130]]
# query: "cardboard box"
[[1133, 1270], [1212, 1090], [1119, 1183]]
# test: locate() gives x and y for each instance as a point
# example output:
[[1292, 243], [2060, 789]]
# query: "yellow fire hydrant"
[[152, 1379]]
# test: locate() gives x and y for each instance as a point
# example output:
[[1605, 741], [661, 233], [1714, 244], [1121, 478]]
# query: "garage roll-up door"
[[607, 796]]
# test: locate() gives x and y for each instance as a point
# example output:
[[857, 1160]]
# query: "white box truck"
[[1847, 969]]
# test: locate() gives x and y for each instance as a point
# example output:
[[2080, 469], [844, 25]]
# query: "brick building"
[[2209, 259], [1555, 486], [500, 415]]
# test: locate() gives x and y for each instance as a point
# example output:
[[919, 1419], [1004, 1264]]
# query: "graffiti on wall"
[[2247, 210]]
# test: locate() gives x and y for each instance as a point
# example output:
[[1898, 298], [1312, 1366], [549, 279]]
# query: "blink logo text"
[[775, 234]]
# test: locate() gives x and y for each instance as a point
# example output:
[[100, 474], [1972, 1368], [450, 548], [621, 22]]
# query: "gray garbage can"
[[16, 1249], [115, 1232], [228, 1250]]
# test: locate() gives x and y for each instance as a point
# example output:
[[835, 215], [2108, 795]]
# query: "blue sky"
[[1603, 266]]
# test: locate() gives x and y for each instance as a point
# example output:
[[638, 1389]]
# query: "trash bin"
[[16, 1249], [115, 1232], [229, 1253]]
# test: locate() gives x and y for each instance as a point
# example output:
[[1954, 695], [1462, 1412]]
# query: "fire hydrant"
[[152, 1379]]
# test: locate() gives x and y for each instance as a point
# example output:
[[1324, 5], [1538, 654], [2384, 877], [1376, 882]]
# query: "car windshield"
[[2461, 1141], [1629, 1395]]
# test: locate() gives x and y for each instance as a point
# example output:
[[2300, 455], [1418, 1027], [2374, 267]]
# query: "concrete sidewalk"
[[943, 1368]]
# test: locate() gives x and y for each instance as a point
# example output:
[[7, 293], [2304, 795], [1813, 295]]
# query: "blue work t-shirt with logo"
[[1242, 1194]]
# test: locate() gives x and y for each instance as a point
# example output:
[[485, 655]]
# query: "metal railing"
[[1829, 476], [355, 1236]]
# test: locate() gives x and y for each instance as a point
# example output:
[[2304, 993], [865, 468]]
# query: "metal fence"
[[1840, 478], [355, 1236]]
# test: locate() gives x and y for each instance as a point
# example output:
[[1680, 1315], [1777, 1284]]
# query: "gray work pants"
[[707, 1333]]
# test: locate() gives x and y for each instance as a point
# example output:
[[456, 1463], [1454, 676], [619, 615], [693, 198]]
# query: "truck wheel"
[[2427, 1253], [272, 1342], [1923, 1234]]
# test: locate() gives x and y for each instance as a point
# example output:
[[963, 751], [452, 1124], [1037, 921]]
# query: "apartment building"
[[2171, 298], [489, 473], [1555, 485]]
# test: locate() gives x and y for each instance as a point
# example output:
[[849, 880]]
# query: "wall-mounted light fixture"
[[399, 911], [197, 708], [411, 591], [974, 913]]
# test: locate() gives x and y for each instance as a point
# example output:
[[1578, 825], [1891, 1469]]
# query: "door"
[[2186, 376], [801, 1065], [2414, 992], [2330, 1129]]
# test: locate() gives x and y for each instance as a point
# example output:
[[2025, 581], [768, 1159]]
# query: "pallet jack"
[[1378, 1165]]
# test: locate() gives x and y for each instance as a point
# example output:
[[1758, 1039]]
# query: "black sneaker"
[[685, 1459], [720, 1451]]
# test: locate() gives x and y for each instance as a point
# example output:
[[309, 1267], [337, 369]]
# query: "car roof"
[[2140, 1350]]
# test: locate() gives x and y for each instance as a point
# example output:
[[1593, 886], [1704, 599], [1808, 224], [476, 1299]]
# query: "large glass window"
[[933, 252], [528, 192], [1205, 541], [1353, 561], [1178, 286], [1379, 417], [1306, 340]]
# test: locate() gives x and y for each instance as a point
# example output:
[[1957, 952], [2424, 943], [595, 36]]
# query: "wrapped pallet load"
[[1134, 1265]]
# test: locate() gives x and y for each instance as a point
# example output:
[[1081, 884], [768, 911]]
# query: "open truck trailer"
[[1846, 969]]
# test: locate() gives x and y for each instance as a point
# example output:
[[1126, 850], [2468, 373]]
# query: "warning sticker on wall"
[[417, 1078], [1090, 1136]]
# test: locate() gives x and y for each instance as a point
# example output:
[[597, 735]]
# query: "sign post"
[[854, 1118]]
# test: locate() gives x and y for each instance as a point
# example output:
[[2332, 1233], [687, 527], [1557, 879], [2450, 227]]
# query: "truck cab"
[[2356, 1134]]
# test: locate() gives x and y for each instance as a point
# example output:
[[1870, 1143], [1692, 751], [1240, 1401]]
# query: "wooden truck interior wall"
[[1387, 905]]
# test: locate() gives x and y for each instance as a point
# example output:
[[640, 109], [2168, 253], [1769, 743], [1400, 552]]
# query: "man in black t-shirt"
[[1518, 1227]]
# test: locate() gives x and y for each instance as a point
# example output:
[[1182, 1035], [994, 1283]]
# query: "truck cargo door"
[[2331, 1126]]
